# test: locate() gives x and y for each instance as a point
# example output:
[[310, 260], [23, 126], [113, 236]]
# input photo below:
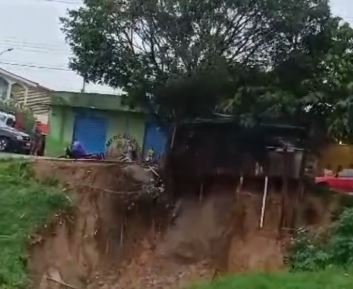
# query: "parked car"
[[11, 139], [343, 182]]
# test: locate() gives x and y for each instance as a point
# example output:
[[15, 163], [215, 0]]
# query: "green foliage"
[[153, 49], [334, 248], [340, 244], [14, 108], [329, 91], [327, 279], [308, 252], [311, 85], [259, 61], [25, 206]]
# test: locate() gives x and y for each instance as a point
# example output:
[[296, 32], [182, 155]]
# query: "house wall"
[[334, 155], [60, 130], [62, 121], [3, 88], [37, 99]]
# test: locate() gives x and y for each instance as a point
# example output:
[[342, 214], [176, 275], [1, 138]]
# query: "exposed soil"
[[117, 237]]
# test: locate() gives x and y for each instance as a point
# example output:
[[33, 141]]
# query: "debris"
[[55, 276], [154, 171], [36, 239], [137, 173], [62, 283]]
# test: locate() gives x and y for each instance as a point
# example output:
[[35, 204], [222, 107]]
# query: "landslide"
[[126, 233]]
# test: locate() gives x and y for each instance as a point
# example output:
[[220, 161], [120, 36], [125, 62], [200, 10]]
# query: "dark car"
[[13, 140]]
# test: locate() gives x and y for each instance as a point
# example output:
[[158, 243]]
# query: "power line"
[[29, 65], [34, 50], [33, 45], [15, 39]]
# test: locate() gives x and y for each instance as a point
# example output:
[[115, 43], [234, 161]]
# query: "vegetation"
[[23, 115], [256, 60], [329, 279], [25, 206], [330, 249]]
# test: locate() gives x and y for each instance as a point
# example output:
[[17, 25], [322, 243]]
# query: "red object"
[[339, 184], [43, 128]]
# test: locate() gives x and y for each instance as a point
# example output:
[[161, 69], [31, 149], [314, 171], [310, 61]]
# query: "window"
[[3, 89], [346, 173]]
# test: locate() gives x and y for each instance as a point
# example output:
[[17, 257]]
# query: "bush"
[[341, 241], [311, 252], [14, 108], [308, 252]]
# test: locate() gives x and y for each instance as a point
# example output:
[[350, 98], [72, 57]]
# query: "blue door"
[[91, 132], [155, 138]]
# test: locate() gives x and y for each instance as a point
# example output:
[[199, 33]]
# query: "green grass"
[[329, 279], [24, 206]]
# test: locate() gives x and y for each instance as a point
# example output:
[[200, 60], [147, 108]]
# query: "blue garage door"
[[155, 138], [91, 132]]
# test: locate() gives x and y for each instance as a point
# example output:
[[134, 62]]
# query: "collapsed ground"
[[122, 233]]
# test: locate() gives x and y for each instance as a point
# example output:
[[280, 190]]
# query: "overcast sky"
[[32, 28]]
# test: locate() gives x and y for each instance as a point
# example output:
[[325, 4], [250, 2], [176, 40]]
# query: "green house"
[[93, 119]]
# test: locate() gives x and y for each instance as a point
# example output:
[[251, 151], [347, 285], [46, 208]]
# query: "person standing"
[[36, 139]]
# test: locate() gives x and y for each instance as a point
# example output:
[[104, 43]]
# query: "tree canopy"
[[313, 88], [188, 58]]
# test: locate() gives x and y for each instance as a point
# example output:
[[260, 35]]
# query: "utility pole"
[[83, 85]]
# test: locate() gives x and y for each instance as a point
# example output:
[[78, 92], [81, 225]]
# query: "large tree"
[[181, 57], [313, 86]]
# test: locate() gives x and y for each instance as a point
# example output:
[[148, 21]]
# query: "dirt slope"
[[119, 237]]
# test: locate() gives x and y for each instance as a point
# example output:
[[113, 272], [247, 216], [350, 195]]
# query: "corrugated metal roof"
[[20, 79], [91, 100]]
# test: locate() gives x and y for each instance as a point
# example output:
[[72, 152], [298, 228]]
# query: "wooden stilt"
[[240, 186], [264, 199], [173, 137], [201, 193], [284, 215], [122, 229]]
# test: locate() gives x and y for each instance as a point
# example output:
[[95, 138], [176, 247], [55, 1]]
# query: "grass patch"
[[24, 205], [328, 279]]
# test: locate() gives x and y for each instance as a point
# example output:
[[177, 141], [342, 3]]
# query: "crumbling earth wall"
[[119, 235]]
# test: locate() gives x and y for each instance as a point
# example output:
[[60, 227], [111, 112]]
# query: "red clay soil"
[[111, 242]]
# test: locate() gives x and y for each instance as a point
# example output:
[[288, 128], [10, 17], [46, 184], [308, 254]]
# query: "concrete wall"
[[61, 123], [62, 119], [3, 88], [335, 155]]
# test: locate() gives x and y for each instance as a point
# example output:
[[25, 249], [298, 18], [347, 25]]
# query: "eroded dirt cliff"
[[120, 235]]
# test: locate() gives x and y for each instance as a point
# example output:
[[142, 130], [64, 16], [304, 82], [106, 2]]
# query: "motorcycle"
[[70, 155]]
